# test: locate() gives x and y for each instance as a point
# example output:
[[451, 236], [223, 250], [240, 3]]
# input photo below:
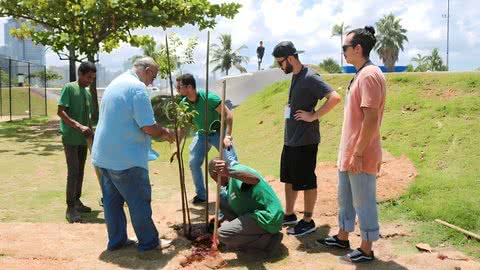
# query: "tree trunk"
[[93, 91], [341, 51], [71, 64]]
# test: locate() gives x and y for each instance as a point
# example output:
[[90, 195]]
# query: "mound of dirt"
[[395, 175]]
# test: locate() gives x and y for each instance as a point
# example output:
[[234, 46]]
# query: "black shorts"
[[297, 166]]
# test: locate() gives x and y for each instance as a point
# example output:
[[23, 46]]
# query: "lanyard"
[[368, 63], [293, 82]]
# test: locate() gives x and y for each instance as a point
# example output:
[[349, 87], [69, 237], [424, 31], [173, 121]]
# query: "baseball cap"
[[284, 49]]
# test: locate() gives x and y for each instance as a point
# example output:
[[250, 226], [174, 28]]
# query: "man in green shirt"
[[196, 100], [74, 109], [253, 214]]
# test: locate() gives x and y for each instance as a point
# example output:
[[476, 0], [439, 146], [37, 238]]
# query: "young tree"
[[436, 62], [89, 27], [330, 66], [391, 36]]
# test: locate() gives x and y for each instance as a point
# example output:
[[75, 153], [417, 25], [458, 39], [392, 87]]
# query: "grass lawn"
[[20, 102], [431, 118]]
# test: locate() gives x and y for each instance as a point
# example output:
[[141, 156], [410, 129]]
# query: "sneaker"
[[80, 207], [100, 202], [72, 215], [164, 243], [357, 256], [289, 220], [302, 228], [198, 200], [333, 241], [127, 243]]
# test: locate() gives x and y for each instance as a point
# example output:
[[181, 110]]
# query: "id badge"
[[287, 112]]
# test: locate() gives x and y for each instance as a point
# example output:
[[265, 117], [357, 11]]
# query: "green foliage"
[[181, 53], [330, 66], [50, 76], [390, 39], [225, 57], [91, 26], [166, 110], [431, 62], [410, 68]]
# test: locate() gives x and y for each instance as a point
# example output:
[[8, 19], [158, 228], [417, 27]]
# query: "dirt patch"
[[82, 246], [395, 175], [446, 94]]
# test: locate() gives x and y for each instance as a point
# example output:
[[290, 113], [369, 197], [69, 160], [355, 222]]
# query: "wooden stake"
[[219, 178], [471, 234], [207, 131]]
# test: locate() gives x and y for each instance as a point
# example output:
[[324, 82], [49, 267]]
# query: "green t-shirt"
[[260, 201], [78, 102], [199, 106]]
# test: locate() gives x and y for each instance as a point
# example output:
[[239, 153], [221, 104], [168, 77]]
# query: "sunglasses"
[[345, 47], [281, 61]]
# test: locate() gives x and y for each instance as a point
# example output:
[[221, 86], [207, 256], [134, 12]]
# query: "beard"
[[288, 69]]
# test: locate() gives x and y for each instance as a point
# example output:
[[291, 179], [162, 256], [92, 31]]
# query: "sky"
[[308, 25]]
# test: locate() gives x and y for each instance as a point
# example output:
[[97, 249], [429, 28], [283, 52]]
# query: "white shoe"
[[164, 243]]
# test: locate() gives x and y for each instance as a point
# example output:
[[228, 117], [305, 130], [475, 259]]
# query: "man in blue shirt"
[[120, 150]]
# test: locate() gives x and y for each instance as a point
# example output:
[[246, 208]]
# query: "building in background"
[[18, 49]]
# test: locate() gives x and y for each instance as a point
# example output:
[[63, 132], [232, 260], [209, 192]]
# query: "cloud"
[[308, 24]]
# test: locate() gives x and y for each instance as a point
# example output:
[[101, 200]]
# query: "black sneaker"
[[357, 256], [289, 220], [197, 200], [80, 207], [302, 228], [333, 241], [72, 215]]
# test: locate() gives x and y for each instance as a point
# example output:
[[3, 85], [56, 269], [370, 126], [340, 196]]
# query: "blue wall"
[[351, 69]]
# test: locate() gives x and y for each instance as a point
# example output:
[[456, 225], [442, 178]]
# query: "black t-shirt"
[[260, 51], [306, 89]]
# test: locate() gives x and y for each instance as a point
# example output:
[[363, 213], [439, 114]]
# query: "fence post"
[[45, 77], [29, 94], [10, 85]]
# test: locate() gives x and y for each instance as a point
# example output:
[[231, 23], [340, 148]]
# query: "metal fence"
[[23, 89]]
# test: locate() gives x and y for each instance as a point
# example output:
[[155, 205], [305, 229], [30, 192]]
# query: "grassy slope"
[[431, 118]]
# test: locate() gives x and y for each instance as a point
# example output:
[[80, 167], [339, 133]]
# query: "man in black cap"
[[302, 135]]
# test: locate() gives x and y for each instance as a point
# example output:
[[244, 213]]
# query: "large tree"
[[391, 36], [87, 27], [340, 30], [225, 57]]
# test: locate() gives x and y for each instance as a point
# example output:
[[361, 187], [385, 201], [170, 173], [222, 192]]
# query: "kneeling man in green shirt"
[[253, 214]]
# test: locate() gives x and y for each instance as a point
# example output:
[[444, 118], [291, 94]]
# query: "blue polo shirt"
[[119, 142]]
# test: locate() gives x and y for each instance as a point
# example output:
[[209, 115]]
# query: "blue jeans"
[[197, 156], [132, 186], [357, 196]]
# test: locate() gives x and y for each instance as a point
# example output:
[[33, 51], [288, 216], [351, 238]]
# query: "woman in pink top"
[[360, 152]]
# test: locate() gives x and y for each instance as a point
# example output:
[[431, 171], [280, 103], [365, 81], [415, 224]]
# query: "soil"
[[82, 246]]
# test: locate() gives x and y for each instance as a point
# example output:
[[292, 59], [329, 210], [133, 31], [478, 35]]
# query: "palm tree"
[[225, 57], [391, 36], [422, 62], [339, 30], [435, 61]]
